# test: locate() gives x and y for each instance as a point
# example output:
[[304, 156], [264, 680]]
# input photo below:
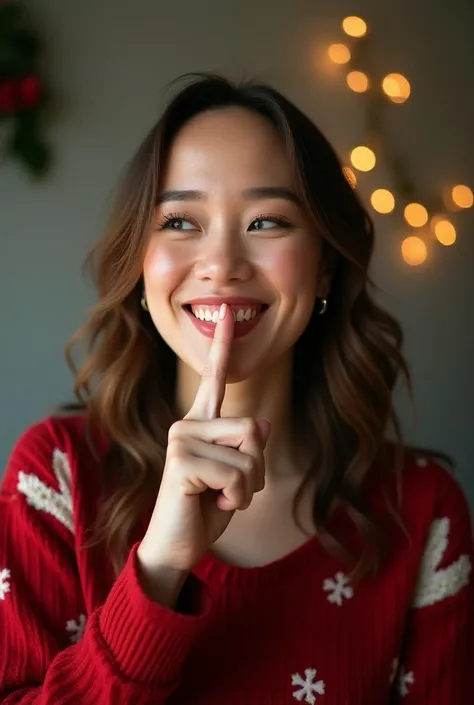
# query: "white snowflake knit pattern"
[[434, 583], [4, 582], [76, 628], [338, 588], [404, 680], [307, 687], [46, 499]]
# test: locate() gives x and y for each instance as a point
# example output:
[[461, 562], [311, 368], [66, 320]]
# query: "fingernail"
[[222, 311]]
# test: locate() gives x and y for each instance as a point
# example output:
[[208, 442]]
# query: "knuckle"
[[235, 478], [249, 464], [207, 370], [249, 426], [213, 367], [176, 430], [176, 448]]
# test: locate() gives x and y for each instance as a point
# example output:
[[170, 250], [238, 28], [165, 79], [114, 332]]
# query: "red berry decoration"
[[23, 97]]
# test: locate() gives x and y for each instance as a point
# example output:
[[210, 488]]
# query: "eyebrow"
[[254, 193]]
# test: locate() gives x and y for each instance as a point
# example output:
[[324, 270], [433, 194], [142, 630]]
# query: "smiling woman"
[[245, 233], [223, 518]]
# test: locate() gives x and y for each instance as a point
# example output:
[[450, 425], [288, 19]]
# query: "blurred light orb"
[[382, 201], [363, 158], [339, 53], [357, 81], [396, 87], [350, 175], [354, 26], [416, 215], [414, 251], [444, 230], [462, 196]]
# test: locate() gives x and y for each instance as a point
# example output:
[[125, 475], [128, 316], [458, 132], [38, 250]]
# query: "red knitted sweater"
[[295, 630]]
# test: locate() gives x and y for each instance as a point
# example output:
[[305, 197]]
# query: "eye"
[[177, 222], [267, 222]]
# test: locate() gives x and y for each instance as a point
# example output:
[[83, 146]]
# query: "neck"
[[267, 394]]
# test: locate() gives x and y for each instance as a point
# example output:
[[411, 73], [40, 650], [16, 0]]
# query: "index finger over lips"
[[210, 395]]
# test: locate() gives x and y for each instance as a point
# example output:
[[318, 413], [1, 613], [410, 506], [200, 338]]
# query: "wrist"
[[161, 583]]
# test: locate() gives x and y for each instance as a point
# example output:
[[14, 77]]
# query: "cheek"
[[164, 268], [292, 267]]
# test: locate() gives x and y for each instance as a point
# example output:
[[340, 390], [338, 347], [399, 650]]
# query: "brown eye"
[[269, 223], [178, 224]]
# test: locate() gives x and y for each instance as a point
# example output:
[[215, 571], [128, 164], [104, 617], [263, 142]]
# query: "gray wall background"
[[108, 62]]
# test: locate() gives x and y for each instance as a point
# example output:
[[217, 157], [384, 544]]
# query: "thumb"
[[265, 427]]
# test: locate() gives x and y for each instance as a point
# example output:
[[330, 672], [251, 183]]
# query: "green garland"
[[23, 96]]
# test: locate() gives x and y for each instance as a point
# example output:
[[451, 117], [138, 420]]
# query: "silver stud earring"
[[324, 306], [144, 302]]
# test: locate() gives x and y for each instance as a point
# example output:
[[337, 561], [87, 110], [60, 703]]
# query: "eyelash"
[[173, 217]]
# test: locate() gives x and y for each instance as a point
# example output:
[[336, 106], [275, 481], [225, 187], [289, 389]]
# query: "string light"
[[416, 215], [396, 87], [382, 200], [363, 158], [444, 230], [350, 175], [339, 53], [357, 81], [414, 251], [354, 26], [462, 196]]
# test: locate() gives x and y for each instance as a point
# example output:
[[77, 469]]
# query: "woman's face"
[[229, 228]]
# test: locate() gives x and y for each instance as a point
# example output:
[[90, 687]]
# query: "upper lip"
[[219, 300]]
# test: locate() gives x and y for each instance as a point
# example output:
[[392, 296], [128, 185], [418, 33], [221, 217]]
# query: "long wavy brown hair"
[[345, 366]]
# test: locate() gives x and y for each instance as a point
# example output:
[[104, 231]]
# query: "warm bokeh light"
[[396, 87], [444, 230], [363, 158], [357, 81], [382, 200], [414, 251], [416, 215], [462, 196], [350, 175], [354, 26], [339, 53]]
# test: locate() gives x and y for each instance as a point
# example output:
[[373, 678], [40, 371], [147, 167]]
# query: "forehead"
[[231, 147]]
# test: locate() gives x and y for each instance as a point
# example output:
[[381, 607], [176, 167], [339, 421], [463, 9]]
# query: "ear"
[[325, 272]]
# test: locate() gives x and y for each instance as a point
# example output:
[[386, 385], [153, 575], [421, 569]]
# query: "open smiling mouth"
[[246, 316]]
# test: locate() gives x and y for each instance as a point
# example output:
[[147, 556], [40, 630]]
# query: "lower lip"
[[208, 328]]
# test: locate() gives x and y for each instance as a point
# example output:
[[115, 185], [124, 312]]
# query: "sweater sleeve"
[[435, 667], [131, 649]]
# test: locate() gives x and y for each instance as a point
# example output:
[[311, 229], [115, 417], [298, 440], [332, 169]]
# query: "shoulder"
[[429, 491], [436, 541], [440, 514], [46, 461]]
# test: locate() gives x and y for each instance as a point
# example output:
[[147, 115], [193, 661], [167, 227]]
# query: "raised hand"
[[213, 467]]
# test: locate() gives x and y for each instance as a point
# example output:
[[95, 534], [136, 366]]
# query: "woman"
[[224, 521]]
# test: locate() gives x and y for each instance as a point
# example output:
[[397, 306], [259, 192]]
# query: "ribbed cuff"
[[150, 642]]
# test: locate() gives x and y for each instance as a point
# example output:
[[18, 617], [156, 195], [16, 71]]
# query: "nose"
[[223, 259]]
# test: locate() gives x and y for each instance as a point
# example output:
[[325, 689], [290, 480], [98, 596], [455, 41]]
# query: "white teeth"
[[241, 315]]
